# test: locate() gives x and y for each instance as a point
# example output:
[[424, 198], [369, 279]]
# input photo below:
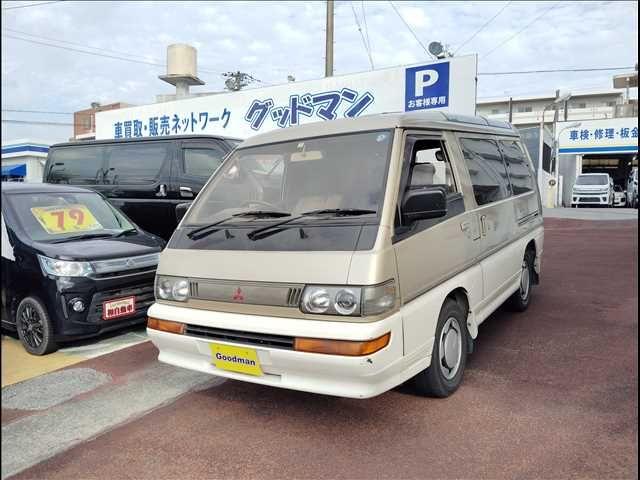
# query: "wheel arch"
[[461, 297], [531, 246]]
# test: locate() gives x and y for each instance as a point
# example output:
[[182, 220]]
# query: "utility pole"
[[510, 109], [328, 62]]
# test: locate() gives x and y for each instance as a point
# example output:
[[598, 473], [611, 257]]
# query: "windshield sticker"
[[68, 219]]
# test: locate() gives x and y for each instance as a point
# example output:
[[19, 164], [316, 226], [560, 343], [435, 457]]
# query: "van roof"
[[383, 121], [144, 139]]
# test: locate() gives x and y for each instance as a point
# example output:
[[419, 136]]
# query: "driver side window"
[[430, 166]]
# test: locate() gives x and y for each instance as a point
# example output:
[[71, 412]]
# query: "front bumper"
[[589, 199], [356, 377], [70, 325]]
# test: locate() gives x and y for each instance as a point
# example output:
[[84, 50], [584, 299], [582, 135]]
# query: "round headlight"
[[317, 300], [180, 290], [346, 302], [164, 289]]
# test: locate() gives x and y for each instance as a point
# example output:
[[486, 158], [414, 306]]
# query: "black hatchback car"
[[73, 266]]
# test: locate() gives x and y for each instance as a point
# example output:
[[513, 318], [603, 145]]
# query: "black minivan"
[[144, 177], [73, 266]]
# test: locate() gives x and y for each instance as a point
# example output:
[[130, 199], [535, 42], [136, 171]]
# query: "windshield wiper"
[[340, 212], [259, 233], [206, 230], [83, 237], [337, 212]]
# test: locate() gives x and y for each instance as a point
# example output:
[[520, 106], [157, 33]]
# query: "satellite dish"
[[436, 49]]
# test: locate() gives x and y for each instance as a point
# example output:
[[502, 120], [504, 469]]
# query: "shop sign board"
[[608, 135], [445, 85]]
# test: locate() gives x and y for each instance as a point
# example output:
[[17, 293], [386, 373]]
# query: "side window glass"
[[76, 165], [487, 170], [201, 162], [520, 173], [136, 164], [431, 167]]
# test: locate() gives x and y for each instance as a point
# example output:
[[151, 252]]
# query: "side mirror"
[[181, 209], [423, 204]]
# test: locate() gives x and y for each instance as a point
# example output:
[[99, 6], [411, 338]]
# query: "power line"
[[34, 122], [120, 55], [40, 37], [409, 27], [364, 20], [36, 111], [482, 27], [84, 51], [30, 5], [364, 42], [557, 70], [522, 29]]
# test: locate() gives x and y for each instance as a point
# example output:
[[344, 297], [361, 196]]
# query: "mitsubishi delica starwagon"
[[348, 257]]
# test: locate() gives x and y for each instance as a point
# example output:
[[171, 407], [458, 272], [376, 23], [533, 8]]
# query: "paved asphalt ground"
[[549, 393]]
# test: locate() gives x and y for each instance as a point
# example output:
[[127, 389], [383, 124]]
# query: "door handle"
[[186, 192], [483, 225], [162, 190]]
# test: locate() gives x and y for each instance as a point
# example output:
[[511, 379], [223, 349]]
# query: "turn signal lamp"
[[165, 325], [341, 347]]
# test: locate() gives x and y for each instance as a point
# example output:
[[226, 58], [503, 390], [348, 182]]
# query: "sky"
[[271, 40]]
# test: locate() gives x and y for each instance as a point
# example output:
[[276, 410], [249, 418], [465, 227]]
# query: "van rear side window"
[[487, 170], [76, 165], [520, 172]]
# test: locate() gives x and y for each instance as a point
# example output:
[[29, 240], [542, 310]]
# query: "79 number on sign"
[[74, 213]]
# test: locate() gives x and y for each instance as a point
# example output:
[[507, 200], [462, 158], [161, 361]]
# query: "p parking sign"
[[427, 87]]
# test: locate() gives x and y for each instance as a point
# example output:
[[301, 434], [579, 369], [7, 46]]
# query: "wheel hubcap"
[[525, 280], [31, 326], [450, 348]]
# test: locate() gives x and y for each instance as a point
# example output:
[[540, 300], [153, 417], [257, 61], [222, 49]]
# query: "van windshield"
[[592, 180], [62, 216], [333, 172]]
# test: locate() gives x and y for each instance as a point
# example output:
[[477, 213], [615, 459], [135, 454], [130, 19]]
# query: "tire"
[[433, 381], [520, 299], [34, 327]]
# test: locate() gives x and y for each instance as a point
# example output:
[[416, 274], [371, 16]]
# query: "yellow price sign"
[[66, 219]]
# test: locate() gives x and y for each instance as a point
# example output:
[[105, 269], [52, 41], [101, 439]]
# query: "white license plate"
[[121, 307]]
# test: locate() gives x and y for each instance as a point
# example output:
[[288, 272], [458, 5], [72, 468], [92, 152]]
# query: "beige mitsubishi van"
[[348, 257]]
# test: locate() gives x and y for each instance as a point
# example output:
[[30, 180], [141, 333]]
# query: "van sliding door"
[[492, 191]]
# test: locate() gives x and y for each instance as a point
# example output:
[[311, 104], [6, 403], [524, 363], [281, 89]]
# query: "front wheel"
[[520, 300], [34, 327], [449, 356]]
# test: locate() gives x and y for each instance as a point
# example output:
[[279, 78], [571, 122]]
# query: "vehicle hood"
[[257, 266], [101, 248]]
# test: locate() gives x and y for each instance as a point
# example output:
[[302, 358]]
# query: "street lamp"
[[557, 154], [561, 98]]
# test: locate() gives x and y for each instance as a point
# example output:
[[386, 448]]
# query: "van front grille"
[[246, 338], [293, 297]]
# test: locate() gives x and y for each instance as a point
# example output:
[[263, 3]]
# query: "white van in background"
[[593, 189]]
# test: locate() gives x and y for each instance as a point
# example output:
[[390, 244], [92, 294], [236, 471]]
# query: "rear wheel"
[[34, 327], [520, 300], [449, 357]]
